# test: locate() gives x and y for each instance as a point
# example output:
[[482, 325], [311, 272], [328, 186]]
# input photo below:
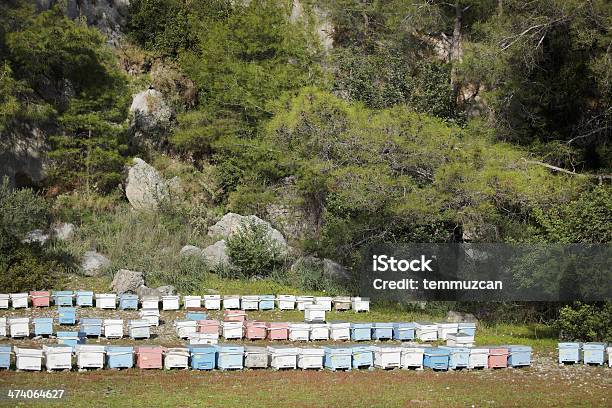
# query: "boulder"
[[146, 291], [126, 281], [232, 223], [335, 270], [190, 250], [145, 189], [166, 290], [459, 317], [93, 263], [216, 254], [150, 110], [36, 236], [64, 231]]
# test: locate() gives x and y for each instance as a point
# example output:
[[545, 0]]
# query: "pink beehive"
[[498, 357], [148, 356], [207, 326], [234, 316], [255, 330], [278, 331], [40, 298]]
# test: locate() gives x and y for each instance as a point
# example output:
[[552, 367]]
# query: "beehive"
[[360, 304], [150, 302], [207, 326], [283, 357], [467, 328], [412, 356], [19, 300], [255, 330], [362, 356], [113, 328], [324, 301], [403, 331], [250, 302], [338, 358], [232, 330], [339, 331], [458, 357], [4, 300], [387, 357], [285, 302], [212, 302], [255, 357], [460, 340], [593, 353], [204, 338], [361, 331], [319, 331], [278, 331], [519, 356], [106, 301], [184, 328], [84, 298], [266, 302], [170, 302], [436, 358], [57, 357], [128, 301], [28, 359], [66, 315], [139, 329], [3, 326], [119, 357], [5, 357], [234, 316], [302, 301], [569, 353], [314, 313], [63, 297], [426, 331], [479, 358], [342, 303], [231, 302], [176, 357], [229, 357], [444, 329], [609, 356], [203, 357], [192, 302], [299, 331], [91, 327], [90, 356], [71, 339], [382, 331], [150, 315], [498, 357], [148, 357], [310, 357], [19, 326], [40, 298], [196, 316], [43, 326]]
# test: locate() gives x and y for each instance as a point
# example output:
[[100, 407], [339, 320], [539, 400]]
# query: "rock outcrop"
[[64, 231], [126, 281], [145, 189], [231, 223], [94, 263], [216, 255]]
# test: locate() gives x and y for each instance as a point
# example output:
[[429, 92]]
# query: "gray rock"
[[335, 270], [166, 290], [146, 291], [232, 223], [64, 231], [307, 262], [145, 189], [459, 317], [36, 236], [126, 281], [94, 263], [190, 250], [150, 111], [216, 254]]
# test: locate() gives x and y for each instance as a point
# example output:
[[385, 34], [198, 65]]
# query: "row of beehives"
[[588, 353], [225, 356], [129, 301]]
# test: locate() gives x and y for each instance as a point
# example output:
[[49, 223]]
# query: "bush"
[[307, 274], [27, 268], [252, 252], [586, 322]]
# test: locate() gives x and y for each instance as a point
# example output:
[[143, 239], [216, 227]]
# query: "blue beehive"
[[467, 328], [382, 331], [266, 302], [403, 331], [519, 356], [196, 316], [458, 357], [63, 297], [436, 358], [593, 353], [70, 338], [5, 357], [66, 315], [203, 357], [229, 357], [43, 326], [338, 358], [363, 356], [361, 331], [91, 327], [119, 356], [128, 301], [84, 298], [569, 353]]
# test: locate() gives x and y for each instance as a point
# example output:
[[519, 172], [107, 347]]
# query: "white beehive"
[[113, 328], [444, 329], [170, 302], [58, 357], [310, 357], [19, 300], [192, 301], [250, 302], [232, 330], [203, 338], [19, 326], [185, 327], [314, 313], [360, 304], [386, 357], [176, 357], [28, 359], [231, 302], [460, 340], [212, 302], [4, 300], [151, 315], [299, 331], [340, 331], [319, 331], [282, 357], [302, 301], [426, 331], [2, 326], [325, 301], [139, 329], [285, 302], [150, 302], [479, 358], [412, 356], [90, 356], [106, 300]]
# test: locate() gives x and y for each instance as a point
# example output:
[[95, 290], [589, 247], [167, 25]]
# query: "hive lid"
[[42, 320], [90, 348], [119, 349], [255, 349], [311, 351], [113, 321]]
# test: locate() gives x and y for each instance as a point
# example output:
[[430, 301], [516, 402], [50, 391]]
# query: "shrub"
[[27, 268], [586, 322], [252, 252]]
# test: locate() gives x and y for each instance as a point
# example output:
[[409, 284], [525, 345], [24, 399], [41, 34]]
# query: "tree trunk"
[[456, 51]]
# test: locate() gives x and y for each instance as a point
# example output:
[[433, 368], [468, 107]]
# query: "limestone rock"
[[190, 250], [145, 189], [36, 236], [166, 290], [64, 231], [126, 281], [459, 317], [231, 223], [335, 270], [150, 111], [216, 254], [93, 263]]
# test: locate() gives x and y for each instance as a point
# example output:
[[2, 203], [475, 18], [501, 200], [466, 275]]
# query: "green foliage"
[[586, 322], [26, 268], [252, 252]]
